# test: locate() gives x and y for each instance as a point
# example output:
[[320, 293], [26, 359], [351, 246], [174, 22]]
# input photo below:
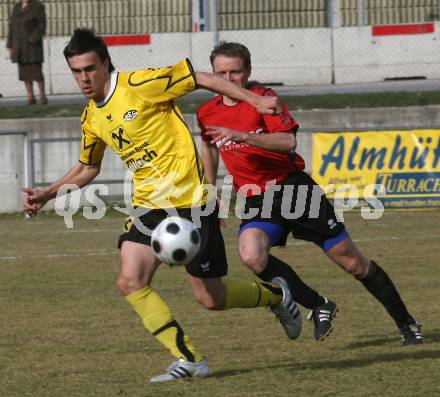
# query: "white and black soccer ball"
[[175, 241]]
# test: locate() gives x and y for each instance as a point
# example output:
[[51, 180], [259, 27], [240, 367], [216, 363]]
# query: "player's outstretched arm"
[[263, 104], [80, 175]]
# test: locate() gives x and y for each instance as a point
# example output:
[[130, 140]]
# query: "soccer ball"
[[175, 241]]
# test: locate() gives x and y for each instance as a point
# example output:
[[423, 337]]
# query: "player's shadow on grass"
[[338, 364], [433, 336]]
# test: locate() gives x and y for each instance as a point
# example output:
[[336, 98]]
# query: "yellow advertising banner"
[[401, 168]]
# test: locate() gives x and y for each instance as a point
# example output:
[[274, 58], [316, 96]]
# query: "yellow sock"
[[158, 319], [247, 293]]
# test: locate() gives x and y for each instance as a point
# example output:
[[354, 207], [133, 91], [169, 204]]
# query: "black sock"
[[383, 289], [301, 292]]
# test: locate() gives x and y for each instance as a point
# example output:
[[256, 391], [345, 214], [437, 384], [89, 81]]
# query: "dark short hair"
[[233, 50], [85, 40]]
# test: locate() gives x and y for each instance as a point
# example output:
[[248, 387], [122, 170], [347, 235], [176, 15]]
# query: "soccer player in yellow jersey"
[[134, 114]]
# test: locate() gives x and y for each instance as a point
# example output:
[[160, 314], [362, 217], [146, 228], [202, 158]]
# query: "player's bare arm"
[[263, 104], [210, 158], [279, 142], [80, 175]]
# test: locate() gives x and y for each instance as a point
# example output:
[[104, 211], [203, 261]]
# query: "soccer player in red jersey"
[[259, 152]]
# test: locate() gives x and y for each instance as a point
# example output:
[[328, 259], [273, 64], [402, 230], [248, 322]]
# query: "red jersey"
[[249, 164]]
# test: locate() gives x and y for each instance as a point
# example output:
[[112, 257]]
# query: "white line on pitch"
[[73, 254], [64, 231]]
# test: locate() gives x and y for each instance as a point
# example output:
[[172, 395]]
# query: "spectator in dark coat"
[[27, 27]]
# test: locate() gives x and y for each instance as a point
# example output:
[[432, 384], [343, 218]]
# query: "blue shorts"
[[275, 233], [321, 228]]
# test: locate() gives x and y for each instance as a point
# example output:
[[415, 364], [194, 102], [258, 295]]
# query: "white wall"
[[290, 56], [361, 57]]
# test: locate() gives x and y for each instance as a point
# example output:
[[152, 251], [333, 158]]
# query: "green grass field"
[[65, 331]]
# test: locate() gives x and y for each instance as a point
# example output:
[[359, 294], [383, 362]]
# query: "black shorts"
[[307, 219], [210, 261]]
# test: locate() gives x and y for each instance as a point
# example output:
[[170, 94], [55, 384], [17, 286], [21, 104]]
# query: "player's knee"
[[209, 301], [123, 285], [355, 267], [254, 259], [127, 286], [213, 304]]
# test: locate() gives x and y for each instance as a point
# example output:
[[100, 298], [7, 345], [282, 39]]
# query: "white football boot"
[[182, 369]]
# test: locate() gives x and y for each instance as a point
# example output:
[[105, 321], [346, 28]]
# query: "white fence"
[[288, 56]]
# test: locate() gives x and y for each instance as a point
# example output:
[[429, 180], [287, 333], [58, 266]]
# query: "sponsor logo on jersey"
[[120, 139], [135, 163], [130, 115], [231, 145]]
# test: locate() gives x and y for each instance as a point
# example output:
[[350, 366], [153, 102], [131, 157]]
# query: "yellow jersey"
[[139, 121]]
